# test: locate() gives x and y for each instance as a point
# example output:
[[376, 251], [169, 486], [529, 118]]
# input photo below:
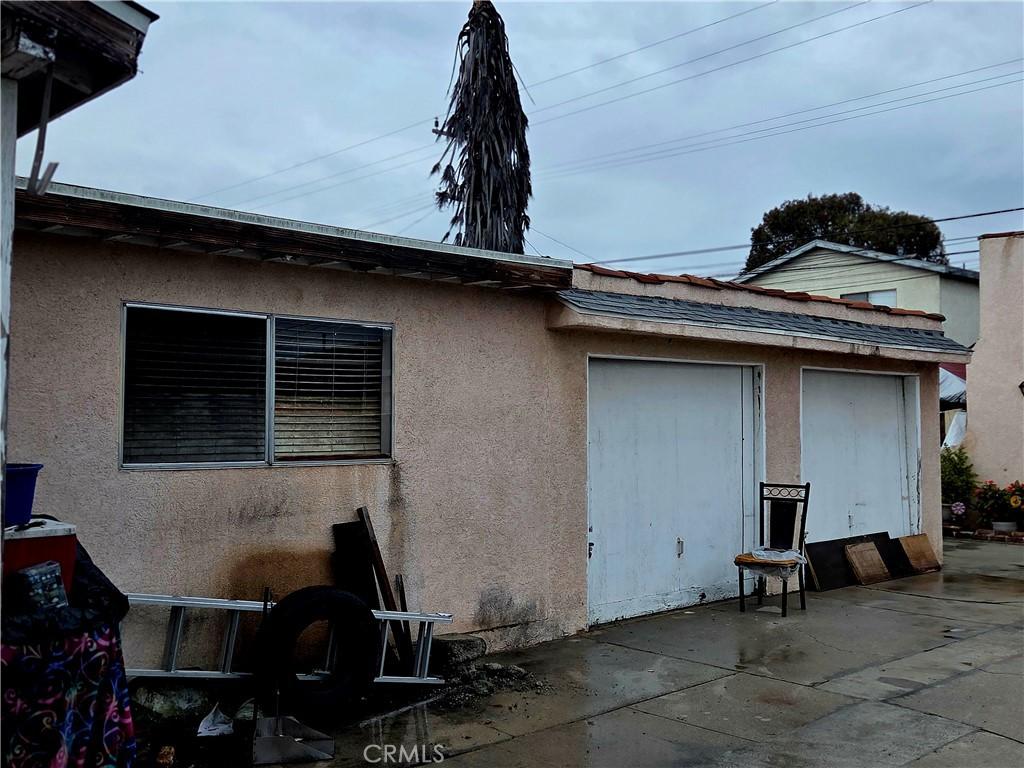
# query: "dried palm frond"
[[485, 167]]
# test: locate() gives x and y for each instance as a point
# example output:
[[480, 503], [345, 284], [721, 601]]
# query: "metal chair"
[[782, 529]]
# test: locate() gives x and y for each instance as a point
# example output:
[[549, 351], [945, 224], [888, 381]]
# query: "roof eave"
[[568, 317], [72, 210], [957, 273], [91, 47]]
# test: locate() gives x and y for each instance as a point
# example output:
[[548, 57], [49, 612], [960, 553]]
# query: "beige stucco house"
[[859, 274], [542, 446], [54, 58], [995, 381]]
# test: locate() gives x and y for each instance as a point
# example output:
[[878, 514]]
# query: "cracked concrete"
[[925, 672]]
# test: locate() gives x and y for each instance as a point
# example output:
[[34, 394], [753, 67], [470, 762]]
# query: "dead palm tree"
[[485, 168]]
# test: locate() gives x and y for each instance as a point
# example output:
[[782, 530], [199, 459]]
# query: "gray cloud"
[[230, 91]]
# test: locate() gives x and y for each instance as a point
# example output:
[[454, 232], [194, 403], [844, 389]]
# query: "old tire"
[[356, 637]]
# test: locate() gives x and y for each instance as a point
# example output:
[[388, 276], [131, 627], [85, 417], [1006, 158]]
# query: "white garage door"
[[860, 454], [671, 483]]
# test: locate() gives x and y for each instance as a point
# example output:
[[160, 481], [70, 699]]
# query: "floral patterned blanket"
[[65, 703]]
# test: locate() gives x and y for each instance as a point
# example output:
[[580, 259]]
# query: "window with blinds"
[[194, 387], [332, 389]]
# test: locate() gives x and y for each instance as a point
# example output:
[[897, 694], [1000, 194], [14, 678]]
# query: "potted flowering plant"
[[1015, 497], [995, 506], [958, 482]]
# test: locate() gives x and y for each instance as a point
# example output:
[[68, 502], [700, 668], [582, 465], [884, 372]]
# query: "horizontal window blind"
[[195, 387], [332, 384]]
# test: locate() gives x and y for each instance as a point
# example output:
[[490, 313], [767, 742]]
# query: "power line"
[[650, 45], [314, 159], [790, 114], [699, 74], [399, 216], [738, 247], [395, 204], [414, 161], [345, 172], [744, 138], [725, 141], [533, 246], [846, 270], [741, 138], [825, 236], [727, 66], [427, 121], [663, 70], [556, 240], [407, 227]]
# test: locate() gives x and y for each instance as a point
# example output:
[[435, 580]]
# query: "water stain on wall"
[[498, 608], [283, 569]]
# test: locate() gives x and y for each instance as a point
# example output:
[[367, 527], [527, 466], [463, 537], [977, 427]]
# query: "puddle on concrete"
[[976, 587]]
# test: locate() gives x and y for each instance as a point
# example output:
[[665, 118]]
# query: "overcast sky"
[[232, 91]]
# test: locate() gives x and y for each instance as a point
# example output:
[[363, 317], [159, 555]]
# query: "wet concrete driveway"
[[925, 672]]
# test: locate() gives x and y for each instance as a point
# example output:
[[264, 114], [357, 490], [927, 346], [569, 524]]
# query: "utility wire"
[[826, 236], [650, 45], [791, 114], [399, 216], [345, 172], [663, 154], [739, 138], [427, 120], [677, 65], [315, 159], [664, 85], [725, 66], [407, 227], [398, 167], [533, 246], [738, 247], [847, 270], [556, 240]]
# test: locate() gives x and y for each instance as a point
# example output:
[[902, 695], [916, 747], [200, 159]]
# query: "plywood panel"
[[920, 553], [866, 563]]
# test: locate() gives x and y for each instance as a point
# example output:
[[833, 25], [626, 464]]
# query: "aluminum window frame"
[[268, 461]]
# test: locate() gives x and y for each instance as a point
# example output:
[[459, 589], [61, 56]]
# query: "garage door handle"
[[679, 547], [590, 550]]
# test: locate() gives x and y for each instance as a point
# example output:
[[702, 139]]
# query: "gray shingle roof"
[[751, 319]]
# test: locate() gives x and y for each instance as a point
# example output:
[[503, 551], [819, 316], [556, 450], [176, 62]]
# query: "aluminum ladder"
[[176, 624]]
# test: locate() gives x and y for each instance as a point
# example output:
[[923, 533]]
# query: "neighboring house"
[[995, 381], [848, 272], [55, 57], [542, 446]]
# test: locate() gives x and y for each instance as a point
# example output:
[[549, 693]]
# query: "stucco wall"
[[484, 506], [995, 402]]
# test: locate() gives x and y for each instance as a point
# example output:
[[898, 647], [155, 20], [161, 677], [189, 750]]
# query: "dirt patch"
[[476, 681]]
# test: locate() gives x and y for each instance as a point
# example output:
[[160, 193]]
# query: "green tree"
[[485, 168], [844, 219]]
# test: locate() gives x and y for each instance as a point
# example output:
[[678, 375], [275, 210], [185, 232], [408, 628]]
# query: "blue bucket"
[[19, 490]]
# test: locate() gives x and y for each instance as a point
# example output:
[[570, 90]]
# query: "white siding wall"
[[830, 273], [960, 304]]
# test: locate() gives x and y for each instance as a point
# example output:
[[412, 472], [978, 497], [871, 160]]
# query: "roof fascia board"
[[902, 261], [292, 225], [132, 14]]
